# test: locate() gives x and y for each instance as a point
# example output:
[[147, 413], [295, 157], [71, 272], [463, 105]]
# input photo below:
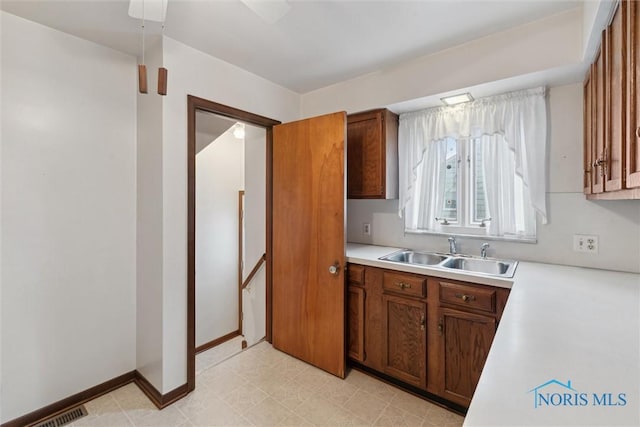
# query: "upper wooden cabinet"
[[632, 174], [611, 118], [372, 155]]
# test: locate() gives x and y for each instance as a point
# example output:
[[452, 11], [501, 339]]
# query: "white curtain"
[[520, 118], [425, 207]]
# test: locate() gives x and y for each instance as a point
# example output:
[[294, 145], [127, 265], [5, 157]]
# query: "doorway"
[[220, 119]]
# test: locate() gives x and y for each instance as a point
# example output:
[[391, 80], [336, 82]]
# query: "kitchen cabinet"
[[611, 134], [427, 334], [356, 311], [372, 155], [588, 129], [632, 173], [467, 323], [405, 327]]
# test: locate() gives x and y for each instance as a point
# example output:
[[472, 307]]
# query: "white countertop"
[[560, 323]]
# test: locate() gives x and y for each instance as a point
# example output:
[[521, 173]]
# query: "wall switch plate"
[[366, 229], [585, 243]]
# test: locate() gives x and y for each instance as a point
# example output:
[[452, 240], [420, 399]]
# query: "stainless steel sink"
[[493, 267], [470, 264], [413, 257]]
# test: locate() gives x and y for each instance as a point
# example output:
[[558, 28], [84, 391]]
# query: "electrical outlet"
[[585, 243], [366, 229]]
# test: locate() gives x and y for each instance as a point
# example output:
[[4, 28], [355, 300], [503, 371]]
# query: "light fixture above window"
[[238, 130], [457, 99]]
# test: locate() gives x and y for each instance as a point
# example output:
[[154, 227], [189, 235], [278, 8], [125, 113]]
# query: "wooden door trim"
[[240, 249], [195, 103]]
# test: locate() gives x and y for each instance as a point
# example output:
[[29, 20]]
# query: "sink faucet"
[[483, 250], [452, 245]]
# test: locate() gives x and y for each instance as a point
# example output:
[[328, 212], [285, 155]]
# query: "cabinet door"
[[633, 94], [615, 137], [598, 170], [466, 339], [405, 340], [365, 156], [356, 316], [588, 132]]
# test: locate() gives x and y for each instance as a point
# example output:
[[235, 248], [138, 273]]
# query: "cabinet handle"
[[440, 326], [423, 322], [638, 132], [598, 163], [466, 298], [403, 285]]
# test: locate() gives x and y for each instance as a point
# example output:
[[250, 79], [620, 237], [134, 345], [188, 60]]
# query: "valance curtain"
[[518, 118]]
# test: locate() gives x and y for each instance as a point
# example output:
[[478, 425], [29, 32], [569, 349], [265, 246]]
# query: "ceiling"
[[316, 44]]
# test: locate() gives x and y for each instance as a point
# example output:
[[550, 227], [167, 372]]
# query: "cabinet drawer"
[[356, 274], [404, 284], [478, 298]]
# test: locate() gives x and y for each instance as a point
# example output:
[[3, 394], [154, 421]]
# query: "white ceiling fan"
[[270, 11]]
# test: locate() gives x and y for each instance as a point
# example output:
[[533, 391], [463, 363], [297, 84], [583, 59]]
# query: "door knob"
[[335, 269]]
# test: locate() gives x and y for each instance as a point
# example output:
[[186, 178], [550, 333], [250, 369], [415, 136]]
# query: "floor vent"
[[65, 418]]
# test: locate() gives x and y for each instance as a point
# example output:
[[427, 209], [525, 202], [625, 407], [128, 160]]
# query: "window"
[[463, 207], [476, 168]]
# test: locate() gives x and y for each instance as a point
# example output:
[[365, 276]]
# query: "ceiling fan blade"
[[270, 11], [149, 10]]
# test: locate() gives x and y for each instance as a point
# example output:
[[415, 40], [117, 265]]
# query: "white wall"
[[193, 72], [554, 43], [254, 296], [149, 213], [219, 177], [617, 223], [68, 219]]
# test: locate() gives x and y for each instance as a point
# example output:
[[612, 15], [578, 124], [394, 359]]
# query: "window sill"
[[464, 233]]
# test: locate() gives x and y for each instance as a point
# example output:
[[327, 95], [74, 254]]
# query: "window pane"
[[478, 196], [450, 204]]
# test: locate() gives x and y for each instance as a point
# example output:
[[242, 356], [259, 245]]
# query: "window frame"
[[466, 225]]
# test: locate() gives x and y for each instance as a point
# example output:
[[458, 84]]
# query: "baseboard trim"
[[71, 401], [217, 341], [159, 400]]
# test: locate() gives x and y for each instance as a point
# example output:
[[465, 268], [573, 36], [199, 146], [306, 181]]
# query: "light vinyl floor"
[[262, 386]]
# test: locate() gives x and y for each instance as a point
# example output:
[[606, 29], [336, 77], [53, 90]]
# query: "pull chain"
[[162, 72], [142, 68]]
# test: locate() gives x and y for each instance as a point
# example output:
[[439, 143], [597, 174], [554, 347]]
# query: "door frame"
[[195, 103]]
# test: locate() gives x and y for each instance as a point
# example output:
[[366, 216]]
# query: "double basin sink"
[[484, 266]]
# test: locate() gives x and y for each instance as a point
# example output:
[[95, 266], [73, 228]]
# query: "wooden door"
[[356, 316], [633, 94], [405, 339], [308, 238], [466, 339], [615, 137], [599, 164], [588, 132]]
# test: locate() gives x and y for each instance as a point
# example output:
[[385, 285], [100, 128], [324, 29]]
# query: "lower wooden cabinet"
[[356, 315], [405, 339], [428, 333], [466, 339]]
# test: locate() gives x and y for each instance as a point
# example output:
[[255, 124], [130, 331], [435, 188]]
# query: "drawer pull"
[[423, 321], [466, 298], [403, 285]]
